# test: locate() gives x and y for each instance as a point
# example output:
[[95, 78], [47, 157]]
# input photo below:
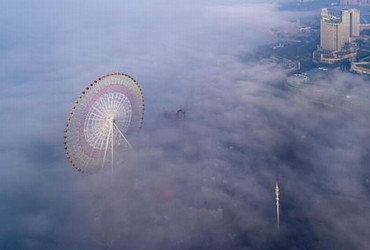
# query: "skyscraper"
[[354, 22], [337, 27]]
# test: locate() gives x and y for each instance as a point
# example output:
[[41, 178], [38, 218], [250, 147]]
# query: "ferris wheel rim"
[[120, 121]]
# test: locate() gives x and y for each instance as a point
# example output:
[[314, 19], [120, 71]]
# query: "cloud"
[[203, 183]]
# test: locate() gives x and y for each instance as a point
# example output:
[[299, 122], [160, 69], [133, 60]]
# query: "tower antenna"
[[277, 193]]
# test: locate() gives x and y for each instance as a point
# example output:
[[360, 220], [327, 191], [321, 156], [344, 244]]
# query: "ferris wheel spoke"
[[102, 105], [104, 132], [106, 145], [111, 101], [107, 102], [118, 101], [100, 108], [114, 102], [96, 115], [101, 136], [119, 131], [99, 140], [100, 112], [95, 131], [96, 119], [123, 122]]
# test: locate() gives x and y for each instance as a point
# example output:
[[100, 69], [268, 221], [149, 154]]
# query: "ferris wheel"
[[108, 110]]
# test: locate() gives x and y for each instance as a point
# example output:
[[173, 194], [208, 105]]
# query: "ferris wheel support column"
[[106, 145], [112, 134], [122, 135]]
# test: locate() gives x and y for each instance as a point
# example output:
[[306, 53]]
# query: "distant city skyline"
[[355, 2]]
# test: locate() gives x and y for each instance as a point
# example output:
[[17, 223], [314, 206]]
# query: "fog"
[[203, 183]]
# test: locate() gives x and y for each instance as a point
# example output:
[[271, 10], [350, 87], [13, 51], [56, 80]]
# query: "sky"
[[205, 183]]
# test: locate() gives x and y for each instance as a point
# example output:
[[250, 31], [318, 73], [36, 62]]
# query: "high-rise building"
[[354, 23], [337, 27]]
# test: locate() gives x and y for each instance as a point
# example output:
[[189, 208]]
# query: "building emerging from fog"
[[338, 28]]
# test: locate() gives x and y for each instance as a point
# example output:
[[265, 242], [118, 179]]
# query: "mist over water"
[[203, 183]]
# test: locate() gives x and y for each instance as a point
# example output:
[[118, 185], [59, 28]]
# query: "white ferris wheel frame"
[[105, 124]]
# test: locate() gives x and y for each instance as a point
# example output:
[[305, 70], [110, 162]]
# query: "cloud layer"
[[203, 183]]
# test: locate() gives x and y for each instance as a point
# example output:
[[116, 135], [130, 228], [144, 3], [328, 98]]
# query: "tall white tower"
[[277, 193]]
